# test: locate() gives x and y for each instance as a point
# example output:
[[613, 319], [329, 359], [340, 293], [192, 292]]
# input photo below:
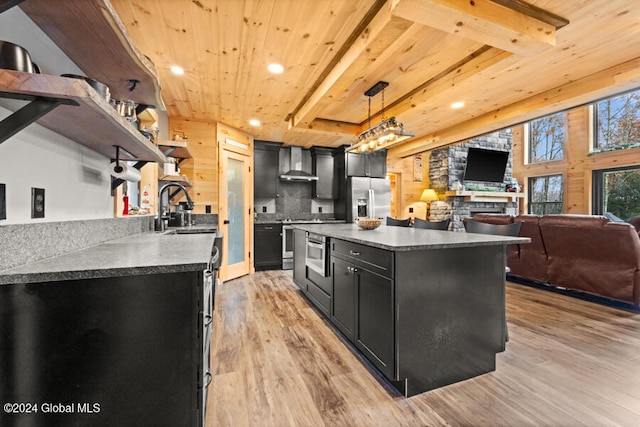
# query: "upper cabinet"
[[265, 172], [323, 167], [93, 37], [373, 164]]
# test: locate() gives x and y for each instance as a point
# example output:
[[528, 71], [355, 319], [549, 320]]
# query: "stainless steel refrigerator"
[[376, 192]]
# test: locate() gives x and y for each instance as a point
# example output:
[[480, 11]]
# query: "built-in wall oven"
[[316, 254]]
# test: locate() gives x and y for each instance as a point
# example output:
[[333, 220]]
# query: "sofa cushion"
[[592, 254], [531, 263], [493, 218]]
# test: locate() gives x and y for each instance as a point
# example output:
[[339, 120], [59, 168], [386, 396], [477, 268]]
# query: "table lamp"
[[428, 195]]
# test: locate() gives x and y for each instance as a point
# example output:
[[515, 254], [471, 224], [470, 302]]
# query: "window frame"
[[597, 186], [530, 201], [527, 135], [595, 122]]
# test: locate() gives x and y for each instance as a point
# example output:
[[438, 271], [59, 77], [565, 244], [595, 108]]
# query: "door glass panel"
[[235, 197]]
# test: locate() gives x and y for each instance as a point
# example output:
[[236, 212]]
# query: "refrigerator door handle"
[[372, 204]]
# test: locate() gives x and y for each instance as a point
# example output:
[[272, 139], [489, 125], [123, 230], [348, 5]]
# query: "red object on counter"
[[125, 202]]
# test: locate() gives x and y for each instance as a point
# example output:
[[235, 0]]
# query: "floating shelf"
[[177, 149], [83, 116], [487, 196], [180, 179], [92, 35]]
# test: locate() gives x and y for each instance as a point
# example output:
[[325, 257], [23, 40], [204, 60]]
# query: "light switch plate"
[[3, 201], [37, 202]]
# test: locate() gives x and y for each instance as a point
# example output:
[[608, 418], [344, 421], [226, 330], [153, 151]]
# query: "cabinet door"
[[265, 173], [377, 164], [375, 320], [267, 251], [323, 168], [344, 296], [357, 164]]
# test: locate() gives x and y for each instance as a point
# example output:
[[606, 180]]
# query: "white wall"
[[76, 182]]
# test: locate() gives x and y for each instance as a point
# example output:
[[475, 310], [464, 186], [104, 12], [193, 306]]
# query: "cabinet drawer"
[[378, 260], [319, 297]]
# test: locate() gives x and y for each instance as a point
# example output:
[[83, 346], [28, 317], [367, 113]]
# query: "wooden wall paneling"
[[410, 190], [202, 169], [577, 196], [577, 166]]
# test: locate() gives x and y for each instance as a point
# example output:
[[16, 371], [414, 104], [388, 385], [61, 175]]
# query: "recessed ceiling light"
[[254, 122], [276, 68], [177, 70], [458, 104]]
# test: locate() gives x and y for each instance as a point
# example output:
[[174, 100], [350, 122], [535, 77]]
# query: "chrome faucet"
[[162, 215]]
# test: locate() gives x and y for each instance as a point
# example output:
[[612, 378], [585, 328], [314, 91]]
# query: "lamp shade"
[[428, 195]]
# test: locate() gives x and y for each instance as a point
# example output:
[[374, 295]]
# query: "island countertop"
[[144, 253], [408, 238]]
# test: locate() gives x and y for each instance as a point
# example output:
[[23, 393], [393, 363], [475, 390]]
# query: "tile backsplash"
[[295, 202]]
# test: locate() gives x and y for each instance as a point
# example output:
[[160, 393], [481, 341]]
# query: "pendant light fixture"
[[387, 132]]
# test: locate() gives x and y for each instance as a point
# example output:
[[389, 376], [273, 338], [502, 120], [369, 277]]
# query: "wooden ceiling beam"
[[331, 127], [475, 63], [483, 21], [623, 77], [381, 33]]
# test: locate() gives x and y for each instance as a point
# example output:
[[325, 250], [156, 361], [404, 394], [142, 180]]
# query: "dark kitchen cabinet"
[[343, 311], [372, 164], [374, 322], [134, 346], [267, 246], [265, 171], [363, 300], [323, 167], [377, 164]]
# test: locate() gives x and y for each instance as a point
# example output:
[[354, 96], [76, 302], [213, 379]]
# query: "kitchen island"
[[425, 307], [114, 334]]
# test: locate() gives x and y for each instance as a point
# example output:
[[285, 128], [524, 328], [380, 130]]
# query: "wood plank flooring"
[[277, 362]]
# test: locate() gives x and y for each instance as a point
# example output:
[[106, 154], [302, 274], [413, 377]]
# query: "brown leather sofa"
[[587, 253]]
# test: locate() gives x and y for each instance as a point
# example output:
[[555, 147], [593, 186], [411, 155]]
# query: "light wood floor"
[[278, 363]]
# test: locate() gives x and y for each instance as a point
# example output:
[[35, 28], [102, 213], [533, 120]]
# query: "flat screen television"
[[485, 165]]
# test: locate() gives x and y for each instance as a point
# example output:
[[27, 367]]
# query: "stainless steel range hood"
[[295, 172]]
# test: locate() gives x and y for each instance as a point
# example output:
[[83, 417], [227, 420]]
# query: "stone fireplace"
[[446, 170]]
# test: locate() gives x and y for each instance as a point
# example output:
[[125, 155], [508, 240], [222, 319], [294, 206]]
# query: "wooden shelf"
[[177, 149], [92, 35], [93, 122], [180, 179], [487, 196]]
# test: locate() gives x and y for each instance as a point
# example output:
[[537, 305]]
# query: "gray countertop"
[[144, 253], [407, 238]]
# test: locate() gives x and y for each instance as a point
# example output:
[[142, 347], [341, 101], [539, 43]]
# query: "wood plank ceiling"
[[507, 60]]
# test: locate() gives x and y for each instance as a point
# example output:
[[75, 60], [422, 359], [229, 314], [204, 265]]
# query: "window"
[[618, 122], [617, 191], [546, 138], [545, 195]]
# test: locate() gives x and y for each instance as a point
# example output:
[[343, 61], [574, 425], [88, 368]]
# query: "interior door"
[[235, 213]]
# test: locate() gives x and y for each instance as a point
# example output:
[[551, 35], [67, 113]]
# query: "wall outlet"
[[3, 201], [37, 202]]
